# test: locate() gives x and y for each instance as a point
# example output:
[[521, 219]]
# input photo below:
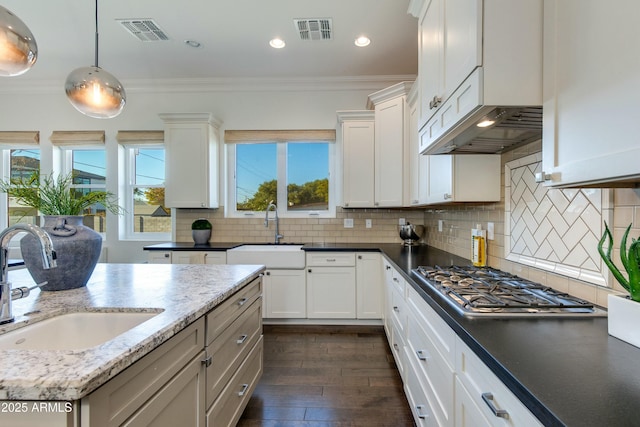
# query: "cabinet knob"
[[542, 176], [167, 255], [309, 271], [207, 362], [435, 102], [359, 256]]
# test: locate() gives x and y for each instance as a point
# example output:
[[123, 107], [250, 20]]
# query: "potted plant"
[[201, 231], [77, 247], [623, 311]]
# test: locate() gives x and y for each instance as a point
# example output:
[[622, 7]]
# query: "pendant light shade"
[[93, 91], [18, 48]]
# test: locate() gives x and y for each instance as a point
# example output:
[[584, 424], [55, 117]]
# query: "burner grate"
[[491, 291]]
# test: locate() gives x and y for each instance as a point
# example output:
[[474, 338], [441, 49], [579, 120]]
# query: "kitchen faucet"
[[272, 206], [48, 261]]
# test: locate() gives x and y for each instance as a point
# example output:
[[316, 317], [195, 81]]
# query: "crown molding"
[[232, 84]]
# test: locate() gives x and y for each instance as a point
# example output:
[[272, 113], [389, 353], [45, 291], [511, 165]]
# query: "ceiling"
[[234, 35]]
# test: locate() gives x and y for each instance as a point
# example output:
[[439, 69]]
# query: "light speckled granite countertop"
[[184, 292]]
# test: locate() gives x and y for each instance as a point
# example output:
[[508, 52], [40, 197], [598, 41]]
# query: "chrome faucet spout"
[[48, 261], [272, 207]]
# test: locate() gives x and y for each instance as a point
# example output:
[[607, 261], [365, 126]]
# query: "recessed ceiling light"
[[277, 43], [192, 43], [362, 41]]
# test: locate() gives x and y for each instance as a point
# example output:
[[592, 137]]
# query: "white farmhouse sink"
[[273, 256], [73, 331]]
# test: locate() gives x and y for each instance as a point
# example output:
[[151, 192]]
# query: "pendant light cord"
[[96, 60]]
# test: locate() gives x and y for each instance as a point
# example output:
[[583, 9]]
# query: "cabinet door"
[[331, 293], [389, 152], [358, 163], [179, 402], [467, 413], [418, 165], [215, 257], [369, 286], [462, 41], [591, 83], [430, 59], [285, 294], [191, 166], [440, 179], [159, 257], [187, 257]]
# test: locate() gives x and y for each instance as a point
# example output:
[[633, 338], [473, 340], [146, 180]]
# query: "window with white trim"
[[146, 217], [84, 157], [281, 166], [19, 158]]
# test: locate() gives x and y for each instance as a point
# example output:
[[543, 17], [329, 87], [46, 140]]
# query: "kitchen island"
[[183, 295]]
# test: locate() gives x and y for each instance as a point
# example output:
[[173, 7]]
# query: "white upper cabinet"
[[391, 180], [590, 63], [496, 42], [418, 164], [357, 138], [191, 165], [464, 178]]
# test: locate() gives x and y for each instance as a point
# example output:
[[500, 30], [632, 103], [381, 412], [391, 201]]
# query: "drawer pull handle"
[[396, 309], [395, 347], [488, 399], [243, 390], [242, 302], [207, 362], [421, 415], [331, 260], [242, 339], [421, 355]]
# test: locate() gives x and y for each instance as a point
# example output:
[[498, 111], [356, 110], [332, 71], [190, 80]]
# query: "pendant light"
[[93, 91], [18, 48]]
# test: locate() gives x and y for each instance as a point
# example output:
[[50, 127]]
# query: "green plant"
[[201, 224], [630, 260], [55, 196]]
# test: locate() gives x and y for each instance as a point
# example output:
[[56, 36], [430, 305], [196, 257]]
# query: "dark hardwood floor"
[[329, 376]]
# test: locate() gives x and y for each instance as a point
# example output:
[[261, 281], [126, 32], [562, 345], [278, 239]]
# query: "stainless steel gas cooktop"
[[487, 292]]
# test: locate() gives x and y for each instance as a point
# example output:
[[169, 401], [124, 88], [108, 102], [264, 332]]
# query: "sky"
[[257, 163]]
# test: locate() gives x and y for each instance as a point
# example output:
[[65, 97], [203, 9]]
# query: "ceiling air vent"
[[314, 28], [145, 30]]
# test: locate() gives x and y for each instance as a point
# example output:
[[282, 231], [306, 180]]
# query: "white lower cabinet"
[[490, 396], [187, 257], [199, 257], [285, 294], [369, 292], [331, 285], [446, 384]]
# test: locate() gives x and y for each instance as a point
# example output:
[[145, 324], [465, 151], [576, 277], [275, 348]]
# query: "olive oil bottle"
[[479, 246]]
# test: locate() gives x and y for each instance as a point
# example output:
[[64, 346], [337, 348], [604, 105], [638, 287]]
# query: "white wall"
[[264, 104]]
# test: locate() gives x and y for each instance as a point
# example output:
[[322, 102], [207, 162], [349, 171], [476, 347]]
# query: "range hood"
[[490, 130]]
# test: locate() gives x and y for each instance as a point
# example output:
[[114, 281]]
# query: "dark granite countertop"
[[567, 371]]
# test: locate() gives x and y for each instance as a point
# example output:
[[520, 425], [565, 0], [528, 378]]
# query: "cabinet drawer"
[[488, 392], [441, 335], [227, 352], [215, 257], [118, 399], [397, 348], [228, 311], [398, 311], [331, 259], [465, 100], [432, 369], [228, 408], [418, 402]]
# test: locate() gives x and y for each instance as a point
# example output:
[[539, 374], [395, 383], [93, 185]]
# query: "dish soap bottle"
[[479, 246]]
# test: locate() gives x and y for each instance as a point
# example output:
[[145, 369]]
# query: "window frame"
[[128, 231], [282, 168], [5, 174]]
